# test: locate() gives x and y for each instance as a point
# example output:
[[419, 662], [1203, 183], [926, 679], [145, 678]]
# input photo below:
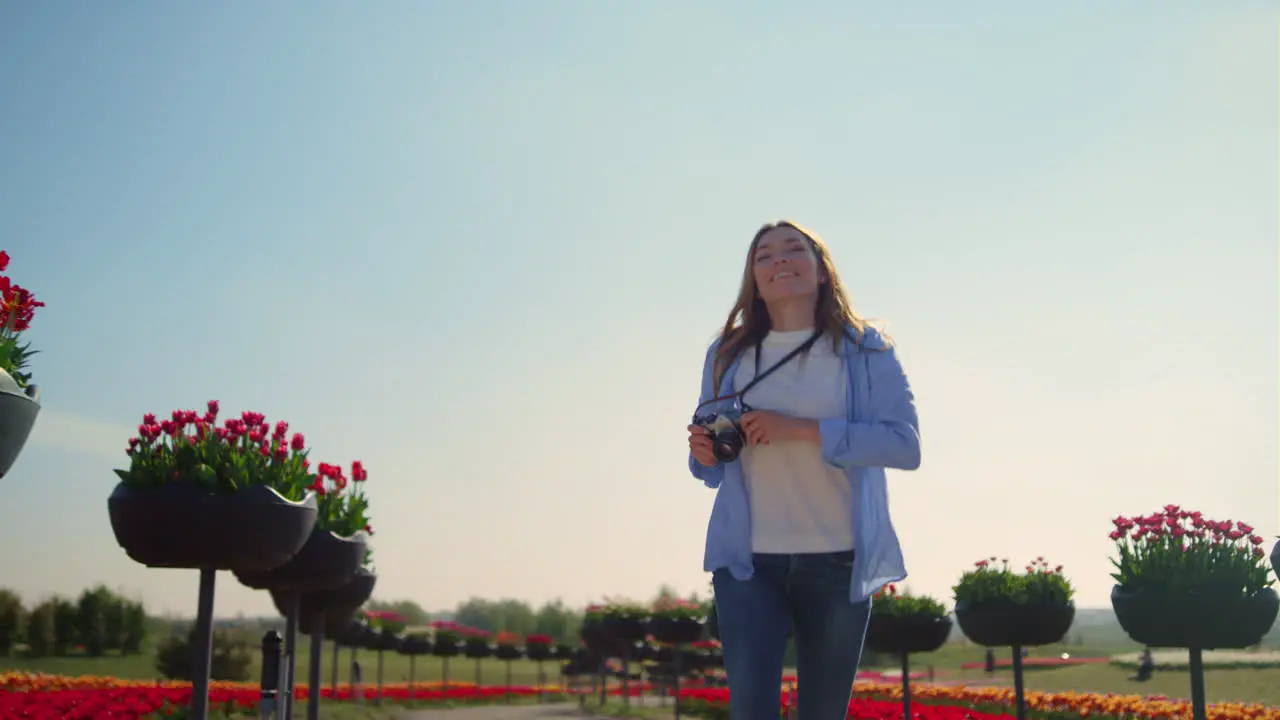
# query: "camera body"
[[727, 436]]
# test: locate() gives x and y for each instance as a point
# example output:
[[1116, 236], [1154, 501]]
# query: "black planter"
[[539, 651], [336, 607], [1205, 620], [624, 629], [1275, 558], [186, 526], [17, 416], [676, 631], [907, 633], [713, 624], [414, 645], [349, 635], [563, 651], [1003, 623], [388, 641], [446, 648], [507, 652], [372, 640], [477, 648], [326, 562]]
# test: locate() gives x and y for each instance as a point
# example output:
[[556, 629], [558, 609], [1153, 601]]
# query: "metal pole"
[[508, 695], [412, 659], [675, 678], [333, 671], [378, 700], [1017, 683], [270, 684], [293, 603], [204, 646], [313, 672], [906, 686], [1197, 684], [542, 680]]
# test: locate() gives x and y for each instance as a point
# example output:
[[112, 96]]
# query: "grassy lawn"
[[395, 668]]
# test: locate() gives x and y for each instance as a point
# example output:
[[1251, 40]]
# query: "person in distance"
[[803, 406]]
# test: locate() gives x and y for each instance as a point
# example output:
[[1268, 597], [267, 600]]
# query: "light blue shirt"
[[880, 431]]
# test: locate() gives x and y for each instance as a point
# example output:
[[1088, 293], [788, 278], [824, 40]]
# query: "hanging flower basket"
[[1185, 581], [475, 644], [186, 526], [199, 495], [624, 622], [677, 622], [539, 648], [339, 544], [999, 608], [415, 644], [19, 398], [336, 607], [904, 623], [445, 642], [325, 562], [507, 647]]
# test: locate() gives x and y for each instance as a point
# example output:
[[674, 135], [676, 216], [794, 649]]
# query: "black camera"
[[727, 435]]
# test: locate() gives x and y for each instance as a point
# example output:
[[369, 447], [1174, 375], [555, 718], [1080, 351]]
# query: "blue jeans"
[[805, 592]]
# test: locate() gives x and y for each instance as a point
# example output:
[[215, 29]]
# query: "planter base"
[[899, 634], [1205, 621], [1002, 623], [18, 413], [186, 526]]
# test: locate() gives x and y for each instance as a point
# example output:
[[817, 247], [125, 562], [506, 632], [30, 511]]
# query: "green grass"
[[395, 667]]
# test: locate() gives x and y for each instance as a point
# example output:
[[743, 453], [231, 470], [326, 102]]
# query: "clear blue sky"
[[482, 247]]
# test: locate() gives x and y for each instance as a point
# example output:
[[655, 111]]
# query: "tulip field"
[[43, 696]]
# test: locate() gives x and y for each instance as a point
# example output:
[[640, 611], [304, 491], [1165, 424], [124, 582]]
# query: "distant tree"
[[11, 619], [135, 628], [91, 620], [64, 626], [558, 621], [231, 658], [41, 636]]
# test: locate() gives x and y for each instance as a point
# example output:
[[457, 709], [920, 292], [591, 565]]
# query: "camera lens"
[[728, 445]]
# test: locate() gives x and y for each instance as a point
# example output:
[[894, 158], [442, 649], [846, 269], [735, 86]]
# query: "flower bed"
[[50, 697]]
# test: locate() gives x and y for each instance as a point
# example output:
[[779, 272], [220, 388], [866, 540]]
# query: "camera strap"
[[759, 376]]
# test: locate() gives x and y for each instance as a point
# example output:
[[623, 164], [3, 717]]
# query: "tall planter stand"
[[18, 411], [413, 646], [1196, 621], [624, 632], [185, 526], [539, 653], [477, 649], [904, 635], [1003, 623], [325, 563], [676, 632], [507, 653], [321, 612], [445, 649]]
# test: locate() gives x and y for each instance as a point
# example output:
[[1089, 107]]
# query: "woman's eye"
[[761, 258]]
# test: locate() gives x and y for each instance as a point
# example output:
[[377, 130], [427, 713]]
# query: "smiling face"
[[784, 265]]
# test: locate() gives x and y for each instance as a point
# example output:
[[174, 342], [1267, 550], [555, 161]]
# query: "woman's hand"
[[700, 445], [763, 427]]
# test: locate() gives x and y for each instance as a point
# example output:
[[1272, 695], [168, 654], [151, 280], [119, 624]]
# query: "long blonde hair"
[[749, 323]]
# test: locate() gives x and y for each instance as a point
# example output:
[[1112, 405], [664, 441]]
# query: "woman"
[[800, 536]]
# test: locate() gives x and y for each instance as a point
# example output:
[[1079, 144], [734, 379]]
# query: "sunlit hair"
[[749, 322]]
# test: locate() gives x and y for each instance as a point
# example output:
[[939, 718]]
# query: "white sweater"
[[799, 503]]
